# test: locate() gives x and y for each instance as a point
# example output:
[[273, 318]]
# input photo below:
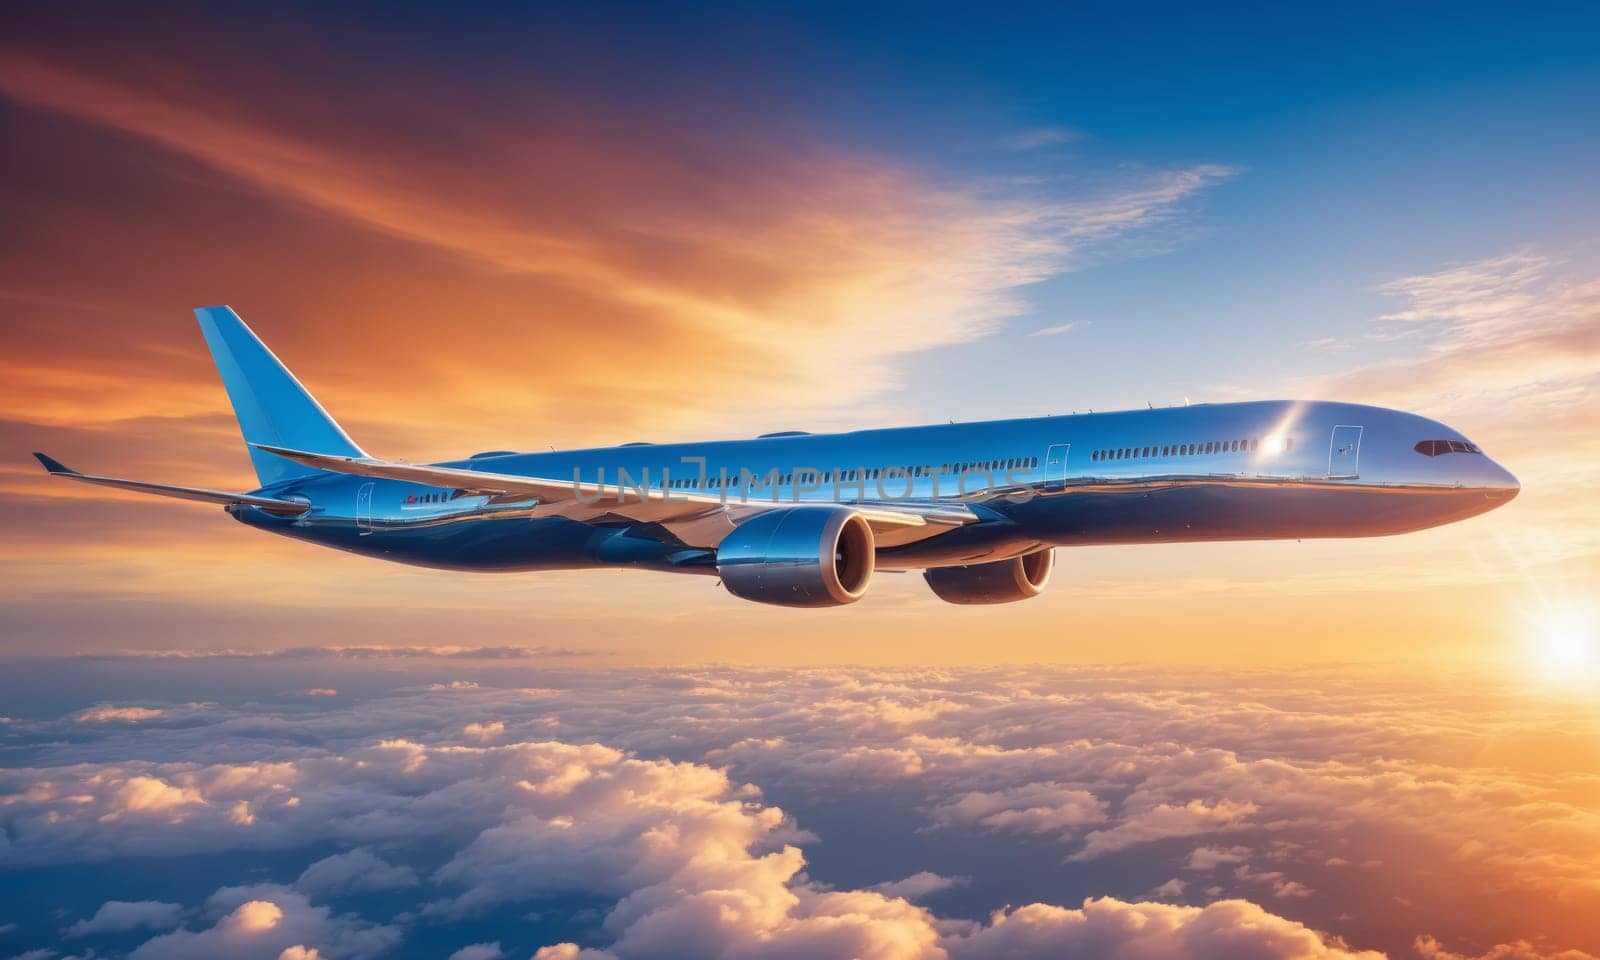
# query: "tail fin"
[[272, 407]]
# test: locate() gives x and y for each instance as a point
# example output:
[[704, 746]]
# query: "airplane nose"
[[1501, 483]]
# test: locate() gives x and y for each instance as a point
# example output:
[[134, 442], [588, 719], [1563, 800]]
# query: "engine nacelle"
[[799, 557], [1002, 581]]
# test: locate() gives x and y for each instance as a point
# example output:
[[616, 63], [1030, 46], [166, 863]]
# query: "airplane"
[[804, 520]]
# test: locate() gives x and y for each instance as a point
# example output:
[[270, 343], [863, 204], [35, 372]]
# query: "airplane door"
[[1344, 453], [1055, 462], [364, 508]]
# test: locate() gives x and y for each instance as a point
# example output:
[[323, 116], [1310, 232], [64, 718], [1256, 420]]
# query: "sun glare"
[[1565, 646]]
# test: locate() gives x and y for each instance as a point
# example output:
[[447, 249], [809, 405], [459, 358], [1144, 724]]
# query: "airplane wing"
[[695, 518], [285, 508]]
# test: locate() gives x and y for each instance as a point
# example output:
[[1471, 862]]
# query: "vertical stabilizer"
[[272, 407]]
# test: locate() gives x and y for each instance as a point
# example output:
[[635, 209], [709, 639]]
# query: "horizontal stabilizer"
[[284, 508]]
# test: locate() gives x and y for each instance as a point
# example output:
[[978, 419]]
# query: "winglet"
[[54, 466]]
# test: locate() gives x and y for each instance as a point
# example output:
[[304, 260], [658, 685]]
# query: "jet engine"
[[1002, 581], [818, 556]]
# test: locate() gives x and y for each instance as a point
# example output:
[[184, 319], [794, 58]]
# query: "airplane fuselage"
[[1213, 472]]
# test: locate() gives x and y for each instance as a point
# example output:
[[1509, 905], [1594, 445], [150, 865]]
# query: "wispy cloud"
[[1056, 330], [1489, 331], [373, 652], [110, 713], [846, 261], [1034, 138]]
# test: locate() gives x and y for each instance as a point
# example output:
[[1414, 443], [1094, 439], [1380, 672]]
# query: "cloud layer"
[[1124, 814]]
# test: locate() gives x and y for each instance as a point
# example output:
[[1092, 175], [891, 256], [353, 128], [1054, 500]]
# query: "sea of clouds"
[[316, 805]]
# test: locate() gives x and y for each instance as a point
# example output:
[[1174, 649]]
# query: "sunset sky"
[[571, 226], [477, 232]]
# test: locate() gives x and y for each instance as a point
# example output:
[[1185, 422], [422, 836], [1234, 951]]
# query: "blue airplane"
[[801, 519]]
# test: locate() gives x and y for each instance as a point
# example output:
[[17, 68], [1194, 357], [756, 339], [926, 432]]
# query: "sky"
[[481, 228], [492, 230]]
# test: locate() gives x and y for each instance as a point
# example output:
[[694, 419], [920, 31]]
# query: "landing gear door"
[[1344, 453]]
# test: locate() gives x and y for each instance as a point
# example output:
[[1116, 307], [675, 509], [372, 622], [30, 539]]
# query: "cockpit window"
[[1438, 448]]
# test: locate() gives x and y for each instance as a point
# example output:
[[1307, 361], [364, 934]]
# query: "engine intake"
[[1003, 581], [799, 557]]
